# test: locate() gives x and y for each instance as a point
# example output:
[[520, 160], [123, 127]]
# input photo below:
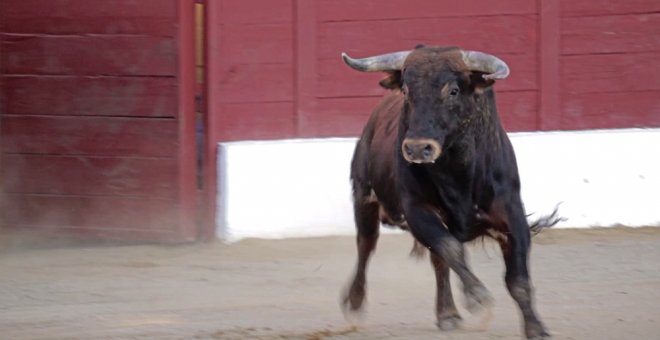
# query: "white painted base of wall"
[[298, 188]]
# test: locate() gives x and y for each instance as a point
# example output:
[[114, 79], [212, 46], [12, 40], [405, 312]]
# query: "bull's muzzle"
[[420, 150]]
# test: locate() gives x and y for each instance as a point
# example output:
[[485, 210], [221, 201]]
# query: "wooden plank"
[[611, 34], [610, 72], [248, 83], [89, 55], [338, 117], [80, 175], [611, 110], [549, 114], [91, 96], [344, 10], [498, 35], [90, 136], [187, 153], [254, 11], [572, 8], [257, 44], [212, 111], [254, 121], [90, 232], [87, 211], [518, 110], [24, 9], [306, 72], [335, 79], [149, 17]]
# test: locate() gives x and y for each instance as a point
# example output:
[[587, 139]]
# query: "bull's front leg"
[[515, 249], [446, 314], [429, 229]]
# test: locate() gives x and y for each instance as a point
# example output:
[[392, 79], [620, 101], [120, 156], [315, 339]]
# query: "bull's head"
[[440, 86]]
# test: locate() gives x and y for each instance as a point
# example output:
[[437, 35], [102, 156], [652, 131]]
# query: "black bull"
[[435, 160]]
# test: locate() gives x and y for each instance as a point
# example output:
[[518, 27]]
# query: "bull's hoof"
[[535, 331], [352, 303], [544, 336], [477, 299], [449, 323], [353, 298], [353, 310]]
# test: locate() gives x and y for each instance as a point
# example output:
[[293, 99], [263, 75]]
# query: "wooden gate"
[[97, 118]]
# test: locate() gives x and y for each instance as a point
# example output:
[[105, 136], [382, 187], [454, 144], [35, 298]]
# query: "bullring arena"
[[590, 284], [179, 169]]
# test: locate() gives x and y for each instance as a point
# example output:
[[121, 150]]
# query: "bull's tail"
[[547, 221]]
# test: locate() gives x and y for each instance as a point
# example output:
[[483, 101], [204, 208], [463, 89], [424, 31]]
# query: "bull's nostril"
[[428, 151], [408, 150]]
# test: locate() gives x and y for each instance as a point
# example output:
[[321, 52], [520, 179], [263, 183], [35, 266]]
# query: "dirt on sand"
[[590, 284]]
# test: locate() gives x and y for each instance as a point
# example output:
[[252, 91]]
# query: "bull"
[[434, 159]]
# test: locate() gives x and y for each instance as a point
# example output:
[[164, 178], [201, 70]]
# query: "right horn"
[[384, 62], [494, 67]]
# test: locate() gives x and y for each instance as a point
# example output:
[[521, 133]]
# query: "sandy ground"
[[596, 284]]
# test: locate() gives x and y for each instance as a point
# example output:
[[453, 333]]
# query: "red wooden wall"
[[608, 55], [275, 72], [274, 69], [97, 117]]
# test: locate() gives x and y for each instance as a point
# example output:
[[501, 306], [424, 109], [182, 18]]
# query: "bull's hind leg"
[[515, 249], [367, 223], [445, 310]]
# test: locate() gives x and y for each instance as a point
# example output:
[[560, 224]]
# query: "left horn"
[[384, 62], [494, 67]]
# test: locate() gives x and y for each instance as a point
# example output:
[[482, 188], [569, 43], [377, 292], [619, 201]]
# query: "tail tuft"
[[547, 221]]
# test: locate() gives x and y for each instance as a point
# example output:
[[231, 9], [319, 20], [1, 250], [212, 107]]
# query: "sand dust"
[[594, 284]]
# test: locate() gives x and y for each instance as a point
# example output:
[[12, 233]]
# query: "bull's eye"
[[453, 92]]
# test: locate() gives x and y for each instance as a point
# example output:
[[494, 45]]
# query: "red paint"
[[119, 9], [107, 136], [548, 112], [610, 73], [89, 55], [349, 10], [257, 44], [343, 117], [256, 82], [608, 110], [241, 12], [572, 8], [610, 34], [147, 17], [92, 232], [98, 126], [80, 175], [98, 96], [517, 109], [89, 212], [186, 151], [305, 79], [253, 121]]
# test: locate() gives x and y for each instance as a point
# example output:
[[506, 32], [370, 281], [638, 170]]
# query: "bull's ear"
[[478, 83], [392, 81]]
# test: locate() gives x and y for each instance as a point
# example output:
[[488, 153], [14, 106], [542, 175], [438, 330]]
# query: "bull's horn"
[[384, 62], [493, 66]]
